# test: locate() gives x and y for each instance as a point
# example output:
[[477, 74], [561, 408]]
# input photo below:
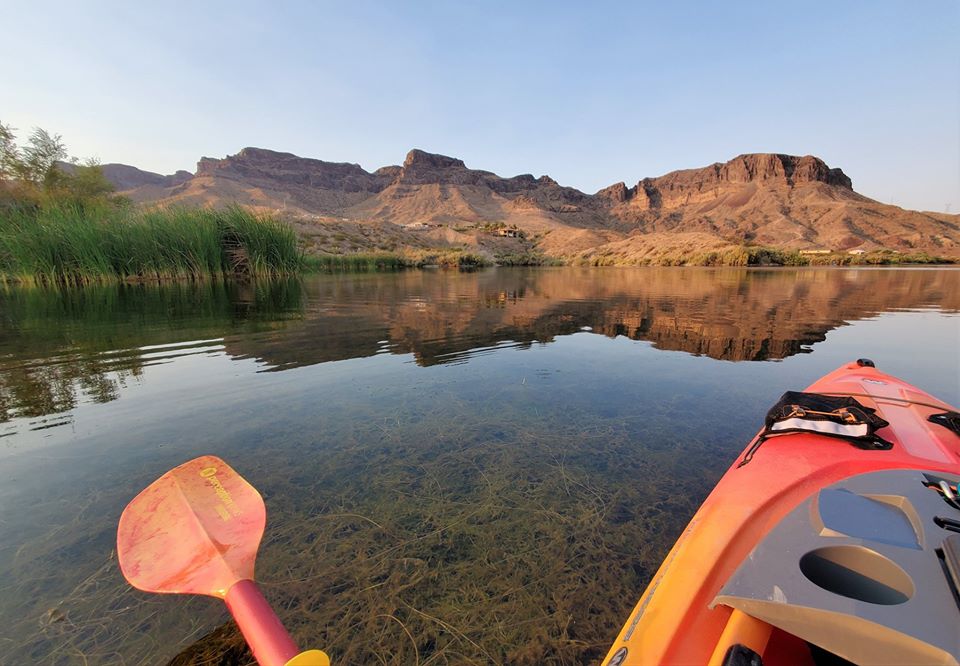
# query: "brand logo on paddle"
[[229, 506]]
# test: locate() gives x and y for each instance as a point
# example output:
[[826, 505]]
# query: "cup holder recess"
[[858, 573]]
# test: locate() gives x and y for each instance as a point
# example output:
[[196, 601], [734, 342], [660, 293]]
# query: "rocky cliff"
[[679, 188]]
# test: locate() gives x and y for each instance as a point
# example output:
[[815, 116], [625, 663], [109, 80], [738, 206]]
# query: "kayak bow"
[[814, 550]]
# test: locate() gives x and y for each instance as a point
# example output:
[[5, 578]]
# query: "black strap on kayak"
[[949, 420], [833, 416]]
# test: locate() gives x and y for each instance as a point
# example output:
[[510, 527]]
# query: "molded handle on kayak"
[[742, 631], [268, 640]]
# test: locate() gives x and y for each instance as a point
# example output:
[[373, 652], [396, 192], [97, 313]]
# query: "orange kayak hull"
[[673, 622]]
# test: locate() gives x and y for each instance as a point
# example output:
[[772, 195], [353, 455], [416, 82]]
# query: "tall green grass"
[[457, 258], [384, 261], [527, 258], [80, 244], [354, 263]]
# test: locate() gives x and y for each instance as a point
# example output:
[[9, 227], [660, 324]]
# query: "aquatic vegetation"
[[528, 258], [64, 243], [384, 261], [465, 260], [437, 535], [354, 263], [483, 543], [877, 258], [755, 255], [448, 258]]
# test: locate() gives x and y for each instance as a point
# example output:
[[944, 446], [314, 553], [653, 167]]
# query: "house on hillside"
[[857, 251], [510, 232], [818, 251]]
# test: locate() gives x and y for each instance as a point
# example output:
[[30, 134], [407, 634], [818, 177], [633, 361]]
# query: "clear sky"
[[590, 93]]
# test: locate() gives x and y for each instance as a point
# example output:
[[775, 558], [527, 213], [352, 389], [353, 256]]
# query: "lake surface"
[[458, 468]]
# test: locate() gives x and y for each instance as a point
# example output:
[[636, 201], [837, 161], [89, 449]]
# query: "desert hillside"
[[777, 201]]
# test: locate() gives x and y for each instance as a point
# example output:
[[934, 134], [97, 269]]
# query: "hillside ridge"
[[771, 199]]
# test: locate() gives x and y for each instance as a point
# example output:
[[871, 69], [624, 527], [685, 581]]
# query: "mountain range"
[[431, 200]]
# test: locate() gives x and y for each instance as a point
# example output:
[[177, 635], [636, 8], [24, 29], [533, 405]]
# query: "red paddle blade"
[[194, 530]]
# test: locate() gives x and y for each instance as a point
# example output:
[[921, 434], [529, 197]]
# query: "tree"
[[37, 172], [84, 182], [9, 153], [38, 160]]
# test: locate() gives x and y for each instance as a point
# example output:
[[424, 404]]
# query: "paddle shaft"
[[268, 640]]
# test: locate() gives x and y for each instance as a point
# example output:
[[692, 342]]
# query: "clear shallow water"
[[458, 467]]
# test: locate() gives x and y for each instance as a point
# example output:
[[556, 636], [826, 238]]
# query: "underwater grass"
[[486, 543], [81, 244], [482, 543]]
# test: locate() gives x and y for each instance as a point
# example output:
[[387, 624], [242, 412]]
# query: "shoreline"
[[10, 281]]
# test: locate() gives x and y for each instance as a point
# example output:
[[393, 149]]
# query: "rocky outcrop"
[[616, 193], [389, 172], [257, 165], [679, 188], [420, 160], [423, 168], [781, 169]]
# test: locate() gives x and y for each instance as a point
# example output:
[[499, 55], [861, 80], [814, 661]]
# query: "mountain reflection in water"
[[727, 314], [61, 347]]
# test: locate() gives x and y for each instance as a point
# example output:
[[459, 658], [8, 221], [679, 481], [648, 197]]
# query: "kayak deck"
[[758, 560]]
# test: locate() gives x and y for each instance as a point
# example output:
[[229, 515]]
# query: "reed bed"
[[459, 258], [385, 261], [82, 244], [355, 263], [527, 258]]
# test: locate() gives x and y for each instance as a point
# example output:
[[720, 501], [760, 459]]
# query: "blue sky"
[[590, 93]]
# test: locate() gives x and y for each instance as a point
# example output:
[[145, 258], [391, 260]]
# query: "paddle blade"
[[195, 530]]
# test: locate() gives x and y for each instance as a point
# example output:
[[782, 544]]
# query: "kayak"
[[828, 541]]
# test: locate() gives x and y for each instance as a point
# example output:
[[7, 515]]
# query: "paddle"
[[196, 530]]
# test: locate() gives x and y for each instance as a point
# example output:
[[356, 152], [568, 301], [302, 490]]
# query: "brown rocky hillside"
[[431, 200]]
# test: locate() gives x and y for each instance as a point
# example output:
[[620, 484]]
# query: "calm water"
[[458, 468]]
